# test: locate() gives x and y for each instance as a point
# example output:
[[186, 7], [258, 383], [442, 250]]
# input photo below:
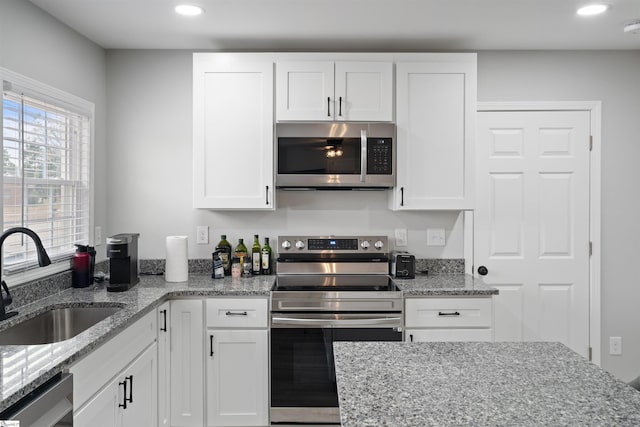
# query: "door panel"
[[532, 223]]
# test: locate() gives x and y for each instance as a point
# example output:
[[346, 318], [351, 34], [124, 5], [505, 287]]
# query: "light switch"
[[436, 237], [202, 235], [401, 237]]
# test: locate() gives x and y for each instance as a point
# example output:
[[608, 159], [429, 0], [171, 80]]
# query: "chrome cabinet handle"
[[211, 345], [164, 313], [401, 196], [266, 194], [231, 313], [363, 155], [328, 106], [340, 108], [455, 313]]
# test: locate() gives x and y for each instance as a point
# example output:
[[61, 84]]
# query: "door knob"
[[482, 270]]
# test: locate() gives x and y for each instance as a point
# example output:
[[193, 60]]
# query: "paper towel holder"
[[122, 251]]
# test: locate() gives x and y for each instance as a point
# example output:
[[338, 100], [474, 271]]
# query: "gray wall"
[[35, 45], [613, 78]]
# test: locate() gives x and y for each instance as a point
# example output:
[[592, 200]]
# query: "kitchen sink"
[[55, 325]]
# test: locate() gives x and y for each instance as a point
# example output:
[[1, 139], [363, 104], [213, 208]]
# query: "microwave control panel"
[[379, 156]]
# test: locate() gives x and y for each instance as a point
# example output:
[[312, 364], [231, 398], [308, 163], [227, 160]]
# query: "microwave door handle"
[[363, 155]]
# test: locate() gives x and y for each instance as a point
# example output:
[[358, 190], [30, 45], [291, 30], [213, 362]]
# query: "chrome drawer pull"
[[455, 313], [231, 313]]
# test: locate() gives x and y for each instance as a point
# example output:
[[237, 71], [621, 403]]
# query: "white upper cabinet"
[[435, 116], [232, 132], [334, 91]]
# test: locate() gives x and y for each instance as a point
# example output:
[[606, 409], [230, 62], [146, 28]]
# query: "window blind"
[[45, 175]]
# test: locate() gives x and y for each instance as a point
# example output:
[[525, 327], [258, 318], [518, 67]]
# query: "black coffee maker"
[[122, 251]]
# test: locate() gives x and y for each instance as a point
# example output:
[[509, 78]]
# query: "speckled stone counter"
[[444, 285], [26, 367], [478, 384]]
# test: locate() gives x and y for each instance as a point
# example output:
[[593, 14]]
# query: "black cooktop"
[[333, 283]]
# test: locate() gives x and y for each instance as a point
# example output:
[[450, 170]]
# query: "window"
[[45, 171]]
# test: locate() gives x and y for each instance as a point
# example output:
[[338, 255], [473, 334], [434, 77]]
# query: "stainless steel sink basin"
[[55, 325]]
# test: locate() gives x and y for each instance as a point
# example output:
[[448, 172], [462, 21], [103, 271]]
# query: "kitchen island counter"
[[24, 367], [481, 384]]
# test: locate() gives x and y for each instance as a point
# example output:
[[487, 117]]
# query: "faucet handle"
[[8, 299]]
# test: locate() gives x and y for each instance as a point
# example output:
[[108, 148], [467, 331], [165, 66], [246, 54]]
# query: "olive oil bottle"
[[266, 267], [224, 250], [255, 256]]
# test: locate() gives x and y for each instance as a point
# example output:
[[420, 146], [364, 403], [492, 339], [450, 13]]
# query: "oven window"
[[321, 156], [302, 368]]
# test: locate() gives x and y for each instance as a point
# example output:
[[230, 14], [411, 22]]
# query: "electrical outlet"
[[401, 237], [202, 235], [97, 236], [436, 237], [615, 346]]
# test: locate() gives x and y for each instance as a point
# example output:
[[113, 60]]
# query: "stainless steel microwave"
[[335, 155]]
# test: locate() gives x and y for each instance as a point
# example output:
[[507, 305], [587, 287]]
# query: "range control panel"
[[342, 244]]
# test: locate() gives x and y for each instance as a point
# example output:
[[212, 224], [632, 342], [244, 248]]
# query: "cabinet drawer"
[[237, 313], [94, 371], [448, 313], [426, 335]]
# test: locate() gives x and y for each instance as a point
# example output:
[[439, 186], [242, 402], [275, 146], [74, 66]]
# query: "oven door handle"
[[296, 321]]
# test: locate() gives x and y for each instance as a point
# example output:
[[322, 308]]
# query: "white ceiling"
[[343, 25]]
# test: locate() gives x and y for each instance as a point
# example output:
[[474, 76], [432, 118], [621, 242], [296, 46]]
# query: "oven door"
[[303, 379]]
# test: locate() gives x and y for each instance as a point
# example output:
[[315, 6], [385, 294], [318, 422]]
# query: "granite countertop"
[[23, 368], [444, 285], [480, 384], [26, 367]]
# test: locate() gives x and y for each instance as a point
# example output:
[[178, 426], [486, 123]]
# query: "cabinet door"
[[187, 382], [364, 91], [102, 409], [232, 133], [237, 378], [435, 112], [164, 365], [304, 90], [142, 409]]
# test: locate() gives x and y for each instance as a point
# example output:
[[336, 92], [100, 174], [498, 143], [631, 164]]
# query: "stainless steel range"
[[328, 288]]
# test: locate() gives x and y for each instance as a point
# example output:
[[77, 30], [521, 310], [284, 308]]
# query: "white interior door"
[[531, 228]]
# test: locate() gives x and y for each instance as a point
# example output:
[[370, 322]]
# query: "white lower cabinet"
[[128, 400], [237, 378], [219, 378], [187, 363], [449, 319], [116, 385], [164, 365], [237, 364]]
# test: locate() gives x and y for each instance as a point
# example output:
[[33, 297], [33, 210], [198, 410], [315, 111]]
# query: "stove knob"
[[365, 244], [378, 244], [286, 244], [300, 244]]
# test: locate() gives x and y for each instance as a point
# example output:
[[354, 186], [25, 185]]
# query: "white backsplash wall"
[[150, 184]]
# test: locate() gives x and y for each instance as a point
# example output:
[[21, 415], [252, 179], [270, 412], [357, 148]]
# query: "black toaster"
[[403, 265]]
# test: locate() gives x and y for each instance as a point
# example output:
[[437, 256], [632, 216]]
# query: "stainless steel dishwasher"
[[51, 404]]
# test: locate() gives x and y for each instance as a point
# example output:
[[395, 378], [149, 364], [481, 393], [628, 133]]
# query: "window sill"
[[36, 273]]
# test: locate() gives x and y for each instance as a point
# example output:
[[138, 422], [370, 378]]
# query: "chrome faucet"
[[43, 260]]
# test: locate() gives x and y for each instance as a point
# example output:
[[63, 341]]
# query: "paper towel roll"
[[177, 265]]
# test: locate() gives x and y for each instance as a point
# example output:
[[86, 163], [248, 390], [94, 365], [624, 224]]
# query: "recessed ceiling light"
[[592, 9], [188, 10]]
